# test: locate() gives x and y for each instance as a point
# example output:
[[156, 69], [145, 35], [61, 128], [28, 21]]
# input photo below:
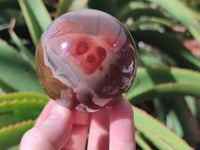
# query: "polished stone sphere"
[[85, 60]]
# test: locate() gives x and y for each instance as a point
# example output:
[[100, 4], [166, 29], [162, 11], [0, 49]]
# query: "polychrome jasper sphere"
[[85, 60]]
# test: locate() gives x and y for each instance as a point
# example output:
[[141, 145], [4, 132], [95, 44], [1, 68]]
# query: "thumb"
[[50, 134]]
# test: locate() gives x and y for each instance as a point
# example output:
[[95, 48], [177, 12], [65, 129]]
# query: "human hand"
[[58, 128]]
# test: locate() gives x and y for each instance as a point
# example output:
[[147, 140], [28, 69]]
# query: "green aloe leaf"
[[169, 45], [6, 15], [152, 23], [24, 52], [16, 147], [14, 117], [126, 10], [189, 18], [21, 105], [63, 7], [188, 122], [110, 6], [16, 111], [162, 108], [141, 141], [36, 16], [11, 135], [4, 88], [147, 59], [158, 82], [15, 72], [137, 9], [173, 122], [70, 5], [23, 95], [16, 107], [157, 133], [170, 90]]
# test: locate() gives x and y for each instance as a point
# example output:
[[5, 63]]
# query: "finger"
[[78, 137], [81, 118], [46, 111], [52, 133], [122, 126], [99, 131]]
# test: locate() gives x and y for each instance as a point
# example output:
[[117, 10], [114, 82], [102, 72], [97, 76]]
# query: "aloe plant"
[[167, 82]]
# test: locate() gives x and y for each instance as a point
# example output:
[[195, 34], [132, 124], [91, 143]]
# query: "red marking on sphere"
[[91, 58], [93, 61], [82, 48], [101, 68], [101, 52], [84, 52]]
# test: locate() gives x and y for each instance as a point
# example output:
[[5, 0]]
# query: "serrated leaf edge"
[[21, 101], [16, 125], [167, 128], [13, 94], [154, 135]]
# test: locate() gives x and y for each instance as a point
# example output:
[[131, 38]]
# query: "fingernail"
[[58, 111]]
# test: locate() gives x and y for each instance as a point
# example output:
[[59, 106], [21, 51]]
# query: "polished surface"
[[85, 58]]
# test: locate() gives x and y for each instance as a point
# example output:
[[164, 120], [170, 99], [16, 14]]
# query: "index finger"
[[122, 134], [46, 111]]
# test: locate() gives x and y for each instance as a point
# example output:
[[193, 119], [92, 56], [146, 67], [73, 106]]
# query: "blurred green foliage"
[[167, 84]]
